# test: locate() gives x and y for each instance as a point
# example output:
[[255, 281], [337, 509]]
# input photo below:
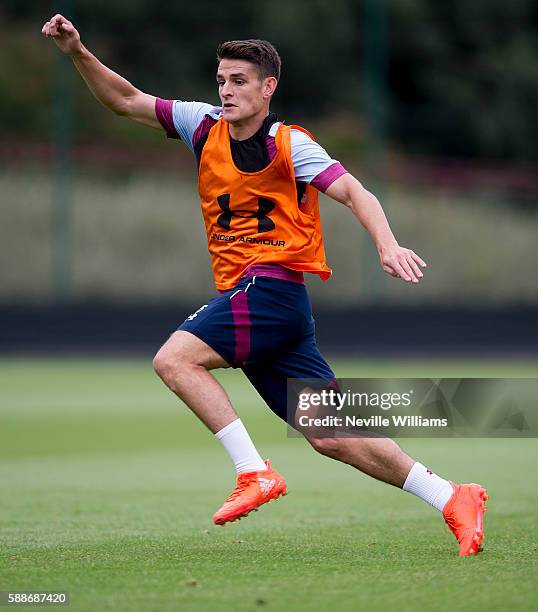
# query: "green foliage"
[[25, 85], [462, 76]]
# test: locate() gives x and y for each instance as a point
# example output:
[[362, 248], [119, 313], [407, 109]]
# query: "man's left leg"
[[462, 505]]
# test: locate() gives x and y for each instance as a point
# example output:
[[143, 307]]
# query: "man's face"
[[242, 92]]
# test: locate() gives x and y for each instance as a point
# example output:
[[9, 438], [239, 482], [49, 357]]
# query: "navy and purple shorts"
[[264, 325]]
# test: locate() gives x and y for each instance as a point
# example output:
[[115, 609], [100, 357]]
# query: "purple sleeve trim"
[[271, 147], [326, 178], [203, 129], [164, 113]]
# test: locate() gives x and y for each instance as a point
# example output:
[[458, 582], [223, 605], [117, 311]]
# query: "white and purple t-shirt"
[[191, 122]]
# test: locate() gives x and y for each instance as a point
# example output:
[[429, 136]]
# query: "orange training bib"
[[254, 217]]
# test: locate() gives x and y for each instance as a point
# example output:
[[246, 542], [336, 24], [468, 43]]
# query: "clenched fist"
[[64, 34]]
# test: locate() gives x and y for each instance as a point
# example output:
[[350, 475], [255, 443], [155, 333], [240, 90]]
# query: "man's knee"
[[171, 359], [166, 365], [182, 352], [331, 447]]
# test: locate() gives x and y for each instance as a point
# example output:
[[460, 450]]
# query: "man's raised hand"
[[64, 34]]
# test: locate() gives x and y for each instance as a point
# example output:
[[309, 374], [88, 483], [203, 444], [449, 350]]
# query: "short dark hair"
[[259, 52]]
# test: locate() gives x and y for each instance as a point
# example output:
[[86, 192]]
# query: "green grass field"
[[108, 486]]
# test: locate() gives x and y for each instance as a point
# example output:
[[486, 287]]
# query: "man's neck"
[[248, 127]]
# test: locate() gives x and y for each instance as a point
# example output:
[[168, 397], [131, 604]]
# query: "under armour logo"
[[265, 224]]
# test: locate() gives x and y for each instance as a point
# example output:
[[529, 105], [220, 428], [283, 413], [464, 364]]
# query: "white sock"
[[428, 486], [243, 453]]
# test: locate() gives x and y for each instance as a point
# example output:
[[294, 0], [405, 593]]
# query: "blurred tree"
[[463, 78]]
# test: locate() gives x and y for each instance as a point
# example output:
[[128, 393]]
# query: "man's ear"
[[269, 86]]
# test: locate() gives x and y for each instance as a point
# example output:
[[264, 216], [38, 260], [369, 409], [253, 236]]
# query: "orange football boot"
[[463, 514], [251, 491]]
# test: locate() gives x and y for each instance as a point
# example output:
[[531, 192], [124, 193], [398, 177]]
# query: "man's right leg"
[[184, 363]]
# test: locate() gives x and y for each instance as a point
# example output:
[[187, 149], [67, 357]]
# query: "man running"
[[258, 181]]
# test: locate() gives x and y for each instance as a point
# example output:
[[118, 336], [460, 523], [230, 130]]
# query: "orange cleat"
[[463, 514], [251, 491]]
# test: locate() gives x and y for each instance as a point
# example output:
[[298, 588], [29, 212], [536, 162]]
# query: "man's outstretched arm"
[[395, 260], [112, 90]]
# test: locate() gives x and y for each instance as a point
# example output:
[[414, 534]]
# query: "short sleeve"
[[181, 119], [312, 164]]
